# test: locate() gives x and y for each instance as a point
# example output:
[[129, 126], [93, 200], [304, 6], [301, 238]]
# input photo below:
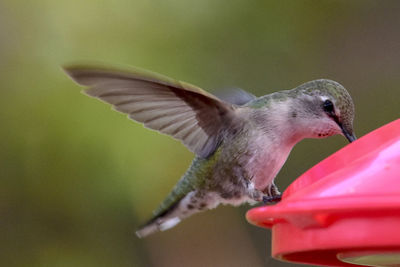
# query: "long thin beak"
[[349, 136]]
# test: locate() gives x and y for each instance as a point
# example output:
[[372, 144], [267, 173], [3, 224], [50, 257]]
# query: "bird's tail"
[[161, 222], [174, 208], [155, 226]]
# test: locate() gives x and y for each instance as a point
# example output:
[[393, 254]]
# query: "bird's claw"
[[272, 199]]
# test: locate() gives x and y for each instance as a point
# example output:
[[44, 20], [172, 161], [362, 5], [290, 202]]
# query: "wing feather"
[[181, 110]]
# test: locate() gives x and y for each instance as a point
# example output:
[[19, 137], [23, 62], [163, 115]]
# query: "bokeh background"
[[76, 178]]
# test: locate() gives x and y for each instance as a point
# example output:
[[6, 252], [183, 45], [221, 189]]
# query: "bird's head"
[[322, 108]]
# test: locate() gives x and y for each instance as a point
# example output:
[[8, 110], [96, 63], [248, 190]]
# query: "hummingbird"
[[240, 142]]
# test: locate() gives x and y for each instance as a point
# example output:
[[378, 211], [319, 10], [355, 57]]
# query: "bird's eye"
[[328, 106]]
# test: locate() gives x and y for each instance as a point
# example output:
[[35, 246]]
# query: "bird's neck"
[[279, 121]]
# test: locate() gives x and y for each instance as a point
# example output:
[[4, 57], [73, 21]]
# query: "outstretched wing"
[[181, 110]]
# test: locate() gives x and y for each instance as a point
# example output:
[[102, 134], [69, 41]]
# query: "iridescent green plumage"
[[194, 177]]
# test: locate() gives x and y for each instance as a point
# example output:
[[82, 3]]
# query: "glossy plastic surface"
[[349, 202]]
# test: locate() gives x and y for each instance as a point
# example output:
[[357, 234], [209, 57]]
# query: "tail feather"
[[147, 230], [161, 221], [173, 209], [157, 225]]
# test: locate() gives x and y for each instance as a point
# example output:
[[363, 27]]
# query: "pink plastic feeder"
[[345, 211]]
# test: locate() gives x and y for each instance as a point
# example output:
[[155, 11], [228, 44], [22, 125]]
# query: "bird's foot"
[[272, 194], [272, 199]]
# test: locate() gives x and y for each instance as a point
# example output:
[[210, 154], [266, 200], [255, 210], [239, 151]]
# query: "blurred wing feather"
[[181, 110]]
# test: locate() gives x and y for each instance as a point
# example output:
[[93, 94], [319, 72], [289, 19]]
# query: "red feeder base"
[[345, 211]]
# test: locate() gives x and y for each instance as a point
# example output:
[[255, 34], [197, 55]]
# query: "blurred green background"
[[76, 178]]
